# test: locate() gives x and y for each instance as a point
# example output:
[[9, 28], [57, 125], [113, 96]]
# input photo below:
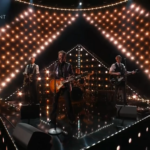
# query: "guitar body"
[[60, 82], [116, 80], [59, 85], [28, 79]]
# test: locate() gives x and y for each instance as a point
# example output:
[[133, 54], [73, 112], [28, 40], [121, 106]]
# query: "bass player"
[[118, 69]]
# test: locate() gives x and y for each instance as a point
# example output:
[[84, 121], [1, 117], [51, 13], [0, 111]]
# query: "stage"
[[88, 49], [96, 122]]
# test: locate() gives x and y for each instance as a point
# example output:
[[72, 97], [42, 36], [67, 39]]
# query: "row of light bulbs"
[[70, 54], [65, 9], [26, 38], [107, 35], [116, 42]]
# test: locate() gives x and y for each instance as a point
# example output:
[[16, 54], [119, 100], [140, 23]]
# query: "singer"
[[62, 69]]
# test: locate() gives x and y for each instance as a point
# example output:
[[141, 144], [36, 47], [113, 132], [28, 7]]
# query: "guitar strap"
[[34, 69]]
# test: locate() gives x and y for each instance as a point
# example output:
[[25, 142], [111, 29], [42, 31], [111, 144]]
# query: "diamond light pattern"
[[33, 30], [128, 29], [28, 35]]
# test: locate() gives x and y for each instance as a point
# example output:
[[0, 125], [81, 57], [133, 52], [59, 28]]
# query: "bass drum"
[[76, 94]]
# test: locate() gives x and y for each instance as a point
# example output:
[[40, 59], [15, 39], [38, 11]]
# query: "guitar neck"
[[73, 78]]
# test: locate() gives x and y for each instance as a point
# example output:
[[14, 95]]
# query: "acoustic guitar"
[[60, 82]]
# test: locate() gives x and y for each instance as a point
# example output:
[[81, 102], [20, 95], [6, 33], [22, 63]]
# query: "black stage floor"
[[94, 122]]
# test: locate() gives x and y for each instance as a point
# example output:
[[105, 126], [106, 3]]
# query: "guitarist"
[[30, 77], [118, 69], [62, 69]]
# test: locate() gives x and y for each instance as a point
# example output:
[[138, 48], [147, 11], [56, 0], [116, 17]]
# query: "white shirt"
[[113, 66], [36, 68]]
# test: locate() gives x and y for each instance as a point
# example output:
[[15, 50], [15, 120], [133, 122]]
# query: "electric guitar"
[[60, 82], [117, 80], [27, 79]]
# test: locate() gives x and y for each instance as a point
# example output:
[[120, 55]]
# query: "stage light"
[[54, 36], [142, 11], [39, 78], [128, 54], [130, 140], [147, 15], [47, 71], [3, 84], [115, 42], [111, 39], [42, 47], [12, 75], [20, 104], [8, 79], [80, 3], [139, 134], [3, 30], [17, 70], [132, 6], [120, 46], [88, 18], [107, 35], [30, 10]]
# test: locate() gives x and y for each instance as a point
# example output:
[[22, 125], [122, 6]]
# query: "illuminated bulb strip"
[[115, 42], [115, 133], [96, 130], [45, 122], [9, 134], [139, 10], [66, 9], [95, 58], [68, 53], [4, 29], [42, 47]]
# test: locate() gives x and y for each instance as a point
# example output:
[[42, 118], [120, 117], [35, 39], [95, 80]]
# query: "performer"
[[30, 80], [118, 69], [62, 69]]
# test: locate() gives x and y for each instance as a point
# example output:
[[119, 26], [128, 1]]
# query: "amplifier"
[[125, 111]]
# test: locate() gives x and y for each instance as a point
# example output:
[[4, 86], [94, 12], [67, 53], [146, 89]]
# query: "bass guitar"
[[117, 80], [59, 83]]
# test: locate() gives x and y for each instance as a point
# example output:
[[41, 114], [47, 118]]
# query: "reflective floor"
[[94, 122]]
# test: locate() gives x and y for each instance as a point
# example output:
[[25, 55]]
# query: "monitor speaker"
[[30, 138], [125, 111]]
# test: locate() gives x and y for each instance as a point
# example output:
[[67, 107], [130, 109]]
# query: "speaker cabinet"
[[124, 111], [30, 138]]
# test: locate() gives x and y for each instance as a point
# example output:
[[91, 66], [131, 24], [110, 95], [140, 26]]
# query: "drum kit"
[[80, 86], [79, 89]]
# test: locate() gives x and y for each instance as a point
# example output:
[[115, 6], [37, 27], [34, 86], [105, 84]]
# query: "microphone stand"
[[55, 130], [125, 76]]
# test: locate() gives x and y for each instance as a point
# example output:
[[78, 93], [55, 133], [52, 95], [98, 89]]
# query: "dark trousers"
[[66, 94], [123, 88], [31, 90]]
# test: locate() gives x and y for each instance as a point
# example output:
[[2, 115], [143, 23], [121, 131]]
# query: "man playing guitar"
[[118, 69], [62, 69], [30, 80]]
